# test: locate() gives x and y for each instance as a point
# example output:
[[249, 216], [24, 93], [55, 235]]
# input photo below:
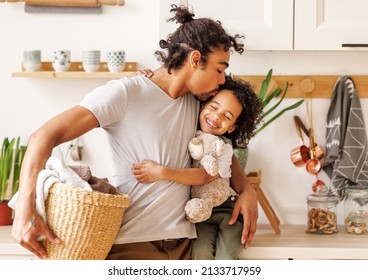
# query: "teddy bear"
[[205, 148]]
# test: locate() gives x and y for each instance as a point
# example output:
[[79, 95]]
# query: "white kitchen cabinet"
[[266, 24], [330, 24], [300, 25]]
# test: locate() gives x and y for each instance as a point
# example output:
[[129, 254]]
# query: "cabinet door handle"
[[354, 45]]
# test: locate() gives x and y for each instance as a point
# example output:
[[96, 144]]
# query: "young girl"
[[233, 113]]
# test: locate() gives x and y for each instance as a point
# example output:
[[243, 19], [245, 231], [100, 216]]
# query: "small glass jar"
[[322, 214], [356, 211]]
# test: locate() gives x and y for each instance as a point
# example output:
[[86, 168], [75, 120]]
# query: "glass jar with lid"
[[356, 210], [322, 214]]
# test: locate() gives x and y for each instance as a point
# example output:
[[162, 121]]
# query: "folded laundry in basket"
[[83, 171], [102, 185], [97, 184], [55, 172]]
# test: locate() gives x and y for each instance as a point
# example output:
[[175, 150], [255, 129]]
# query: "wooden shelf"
[[322, 85], [76, 71], [316, 86], [71, 74]]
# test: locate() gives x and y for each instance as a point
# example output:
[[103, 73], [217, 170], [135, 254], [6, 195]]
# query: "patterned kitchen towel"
[[346, 160]]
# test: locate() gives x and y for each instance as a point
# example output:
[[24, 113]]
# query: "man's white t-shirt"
[[143, 122]]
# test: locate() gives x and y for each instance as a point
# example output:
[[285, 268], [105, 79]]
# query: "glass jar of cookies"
[[322, 214], [356, 211]]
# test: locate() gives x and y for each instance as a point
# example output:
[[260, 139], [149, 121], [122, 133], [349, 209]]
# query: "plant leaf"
[[277, 103], [264, 86], [11, 158], [295, 105], [271, 96]]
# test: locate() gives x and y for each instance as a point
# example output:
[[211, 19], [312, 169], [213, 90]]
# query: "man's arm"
[[150, 171], [246, 204], [28, 225]]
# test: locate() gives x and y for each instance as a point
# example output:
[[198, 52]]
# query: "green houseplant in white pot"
[[11, 158], [271, 100]]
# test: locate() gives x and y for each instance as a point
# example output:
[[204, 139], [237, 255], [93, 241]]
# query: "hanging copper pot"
[[313, 165], [299, 155], [317, 150]]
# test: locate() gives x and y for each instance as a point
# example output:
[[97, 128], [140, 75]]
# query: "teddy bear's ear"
[[195, 148]]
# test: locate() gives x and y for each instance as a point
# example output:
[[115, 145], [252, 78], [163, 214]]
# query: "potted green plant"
[[11, 158], [271, 100]]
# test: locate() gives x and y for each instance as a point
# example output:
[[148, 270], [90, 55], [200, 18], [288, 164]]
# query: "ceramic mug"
[[32, 60], [115, 60], [91, 60], [61, 60]]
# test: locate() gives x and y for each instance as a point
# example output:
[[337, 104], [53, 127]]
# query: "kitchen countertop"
[[10, 249], [292, 243]]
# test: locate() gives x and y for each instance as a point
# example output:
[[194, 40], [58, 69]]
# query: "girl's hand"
[[146, 72], [147, 171]]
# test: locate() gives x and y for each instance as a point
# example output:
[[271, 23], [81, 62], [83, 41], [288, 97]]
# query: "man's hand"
[[247, 206], [29, 229], [247, 203]]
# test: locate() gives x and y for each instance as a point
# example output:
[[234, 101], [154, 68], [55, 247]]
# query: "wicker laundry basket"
[[87, 222]]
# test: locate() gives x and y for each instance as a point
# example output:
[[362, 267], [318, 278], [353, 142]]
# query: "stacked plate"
[[91, 61]]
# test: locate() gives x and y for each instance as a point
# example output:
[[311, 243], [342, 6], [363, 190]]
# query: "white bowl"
[[32, 67], [91, 67], [114, 68], [60, 68]]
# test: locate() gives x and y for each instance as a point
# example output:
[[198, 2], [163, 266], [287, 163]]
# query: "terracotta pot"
[[6, 214]]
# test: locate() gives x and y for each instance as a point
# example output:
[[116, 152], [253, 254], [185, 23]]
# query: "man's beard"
[[206, 95]]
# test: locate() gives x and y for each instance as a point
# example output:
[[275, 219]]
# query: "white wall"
[[27, 103], [285, 185]]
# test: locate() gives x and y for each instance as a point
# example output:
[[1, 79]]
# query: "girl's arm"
[[150, 171]]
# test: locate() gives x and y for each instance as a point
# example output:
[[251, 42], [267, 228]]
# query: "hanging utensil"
[[313, 165], [299, 155], [318, 151], [319, 187]]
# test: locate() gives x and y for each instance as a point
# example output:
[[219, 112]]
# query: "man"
[[145, 118]]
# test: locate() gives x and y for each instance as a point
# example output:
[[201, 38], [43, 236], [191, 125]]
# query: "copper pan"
[[313, 165], [317, 150], [299, 155]]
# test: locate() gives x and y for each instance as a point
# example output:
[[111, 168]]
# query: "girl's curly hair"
[[251, 114], [202, 34]]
